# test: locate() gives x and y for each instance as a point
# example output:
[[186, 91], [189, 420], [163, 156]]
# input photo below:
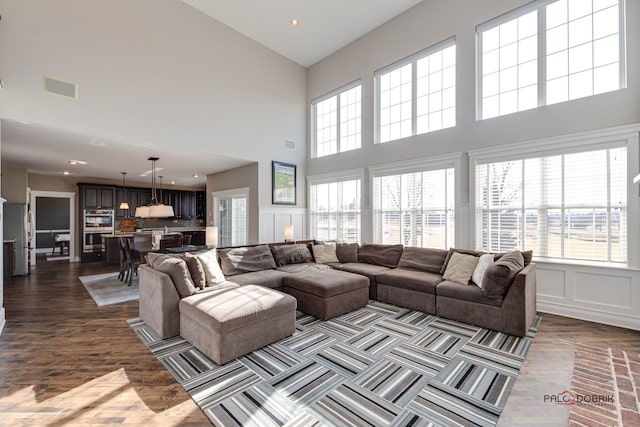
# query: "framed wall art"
[[283, 181]]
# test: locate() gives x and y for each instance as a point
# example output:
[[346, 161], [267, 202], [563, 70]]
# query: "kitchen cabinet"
[[201, 204], [197, 237], [183, 203], [112, 251], [97, 196]]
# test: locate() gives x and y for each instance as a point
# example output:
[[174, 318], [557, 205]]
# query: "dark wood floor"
[[64, 361]]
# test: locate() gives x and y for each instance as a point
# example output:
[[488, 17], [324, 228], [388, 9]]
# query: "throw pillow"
[[347, 252], [422, 259], [325, 253], [462, 251], [460, 268], [483, 263], [246, 259], [212, 272], [291, 254], [196, 270], [177, 269], [385, 255], [499, 276]]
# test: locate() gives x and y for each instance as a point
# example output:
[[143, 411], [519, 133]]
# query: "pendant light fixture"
[[124, 205], [154, 209]]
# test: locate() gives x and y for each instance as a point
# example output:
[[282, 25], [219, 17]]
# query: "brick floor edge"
[[605, 387]]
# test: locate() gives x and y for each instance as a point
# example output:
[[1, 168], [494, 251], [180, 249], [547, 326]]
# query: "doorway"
[[54, 226], [231, 216]]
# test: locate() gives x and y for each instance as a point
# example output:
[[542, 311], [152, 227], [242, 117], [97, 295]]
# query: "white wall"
[[153, 72], [609, 295]]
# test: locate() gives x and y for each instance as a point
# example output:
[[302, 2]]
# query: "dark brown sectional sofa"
[[405, 276]]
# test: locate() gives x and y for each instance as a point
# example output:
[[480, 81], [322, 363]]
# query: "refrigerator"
[[18, 226]]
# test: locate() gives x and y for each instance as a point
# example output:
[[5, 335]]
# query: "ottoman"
[[328, 293], [226, 325]]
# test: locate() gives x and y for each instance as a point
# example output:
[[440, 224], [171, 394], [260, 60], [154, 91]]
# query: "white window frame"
[[399, 64], [447, 161], [236, 192], [347, 175], [627, 135], [313, 119], [540, 6]]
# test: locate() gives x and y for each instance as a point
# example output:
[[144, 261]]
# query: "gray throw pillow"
[[347, 252], [246, 259], [499, 276], [177, 269], [291, 254], [196, 270]]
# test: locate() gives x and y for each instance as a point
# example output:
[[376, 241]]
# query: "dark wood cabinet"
[[201, 204], [9, 263], [97, 197], [112, 251]]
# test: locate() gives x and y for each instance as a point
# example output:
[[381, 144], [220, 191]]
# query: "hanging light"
[[154, 209], [124, 205]]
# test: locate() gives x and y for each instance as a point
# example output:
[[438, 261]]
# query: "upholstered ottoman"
[[328, 293], [229, 324]]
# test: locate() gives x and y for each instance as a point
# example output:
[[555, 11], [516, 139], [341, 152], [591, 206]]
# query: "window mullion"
[[414, 92], [338, 136], [542, 56]]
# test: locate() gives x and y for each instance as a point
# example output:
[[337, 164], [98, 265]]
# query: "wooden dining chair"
[[133, 261], [170, 242], [123, 258]]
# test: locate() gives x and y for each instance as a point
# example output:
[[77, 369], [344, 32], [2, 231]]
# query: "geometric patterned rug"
[[379, 365]]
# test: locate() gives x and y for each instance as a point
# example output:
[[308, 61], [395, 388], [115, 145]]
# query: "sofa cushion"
[[326, 284], [412, 280], [385, 255], [267, 278], [483, 263], [177, 269], [465, 292], [325, 253], [460, 268], [196, 270], [347, 252], [303, 267], [291, 254], [369, 270], [246, 259], [422, 259], [526, 255], [212, 272], [499, 275]]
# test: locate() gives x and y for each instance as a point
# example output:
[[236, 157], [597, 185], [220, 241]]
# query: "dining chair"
[[133, 261], [123, 258], [170, 242], [186, 239]]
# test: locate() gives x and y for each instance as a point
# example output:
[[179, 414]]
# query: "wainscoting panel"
[[604, 295], [273, 221]]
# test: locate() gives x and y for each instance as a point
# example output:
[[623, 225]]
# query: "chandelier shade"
[[154, 209]]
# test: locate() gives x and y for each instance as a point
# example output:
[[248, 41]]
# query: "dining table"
[[143, 247]]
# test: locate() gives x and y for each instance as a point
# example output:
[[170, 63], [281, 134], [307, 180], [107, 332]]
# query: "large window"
[[231, 208], [418, 94], [337, 121], [415, 209], [568, 206], [549, 52], [335, 210]]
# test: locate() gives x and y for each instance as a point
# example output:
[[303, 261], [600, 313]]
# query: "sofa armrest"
[[159, 301], [519, 305]]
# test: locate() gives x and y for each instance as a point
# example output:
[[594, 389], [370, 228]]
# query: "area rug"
[[379, 365], [602, 389], [106, 289]]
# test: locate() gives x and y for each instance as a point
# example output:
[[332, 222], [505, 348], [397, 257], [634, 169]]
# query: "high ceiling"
[[324, 27]]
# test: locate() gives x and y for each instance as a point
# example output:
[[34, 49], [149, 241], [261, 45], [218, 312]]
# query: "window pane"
[[335, 211]]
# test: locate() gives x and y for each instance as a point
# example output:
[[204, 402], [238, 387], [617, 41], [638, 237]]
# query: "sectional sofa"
[[495, 291]]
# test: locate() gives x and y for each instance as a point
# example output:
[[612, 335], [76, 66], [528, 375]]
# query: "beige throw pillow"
[[325, 253], [460, 268], [212, 272], [483, 263]]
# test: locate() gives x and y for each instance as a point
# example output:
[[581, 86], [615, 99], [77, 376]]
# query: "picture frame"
[[283, 183]]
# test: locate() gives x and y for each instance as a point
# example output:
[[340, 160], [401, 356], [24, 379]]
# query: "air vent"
[[291, 145], [58, 87]]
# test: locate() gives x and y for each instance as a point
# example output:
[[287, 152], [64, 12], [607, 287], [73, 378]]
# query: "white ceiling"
[[325, 26]]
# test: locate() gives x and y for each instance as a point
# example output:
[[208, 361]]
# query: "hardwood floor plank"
[[65, 361]]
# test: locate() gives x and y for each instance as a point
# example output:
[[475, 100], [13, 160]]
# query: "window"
[[567, 206], [550, 52], [231, 217], [415, 209], [417, 95], [335, 210], [337, 121]]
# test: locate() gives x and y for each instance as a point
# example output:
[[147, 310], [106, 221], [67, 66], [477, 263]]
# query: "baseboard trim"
[[619, 320]]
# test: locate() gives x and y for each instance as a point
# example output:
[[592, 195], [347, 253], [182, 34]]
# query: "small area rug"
[[106, 289], [602, 389], [379, 365]]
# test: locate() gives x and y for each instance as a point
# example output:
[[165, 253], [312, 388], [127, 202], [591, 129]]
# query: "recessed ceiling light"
[[294, 22], [66, 173], [173, 182], [195, 175], [76, 162]]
